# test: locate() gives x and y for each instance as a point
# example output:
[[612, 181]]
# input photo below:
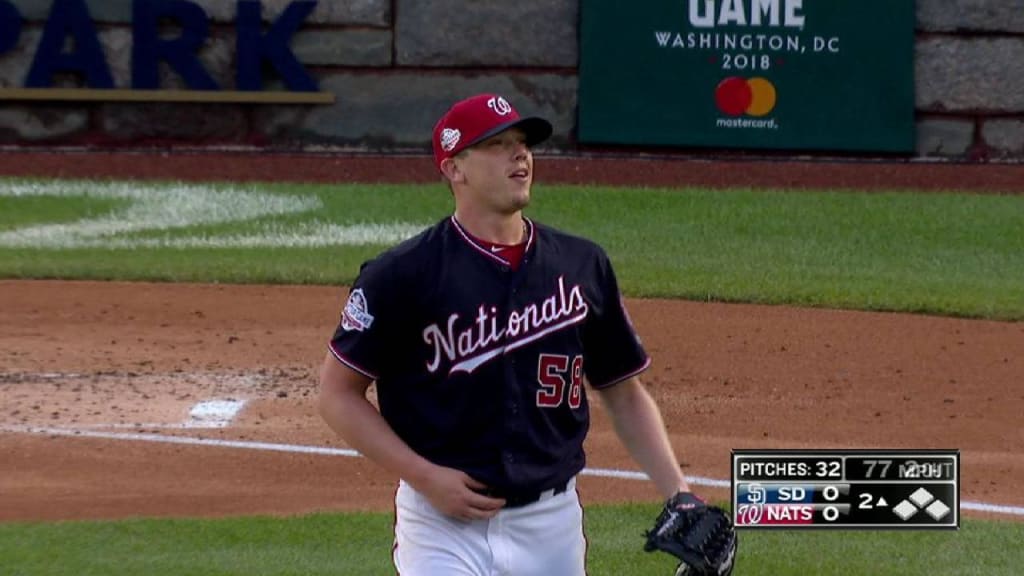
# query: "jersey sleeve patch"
[[356, 315]]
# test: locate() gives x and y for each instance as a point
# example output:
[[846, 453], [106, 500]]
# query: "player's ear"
[[450, 168]]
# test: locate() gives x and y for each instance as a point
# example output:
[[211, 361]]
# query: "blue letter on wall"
[[69, 18], [148, 49], [254, 47], [10, 26]]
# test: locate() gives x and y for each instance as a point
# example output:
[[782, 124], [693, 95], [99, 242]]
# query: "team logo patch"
[[500, 106], [450, 139], [355, 315]]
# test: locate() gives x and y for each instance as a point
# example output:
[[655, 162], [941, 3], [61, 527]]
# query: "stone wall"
[[970, 78], [395, 65]]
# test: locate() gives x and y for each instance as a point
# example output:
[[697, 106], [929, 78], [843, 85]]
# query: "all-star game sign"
[[766, 74]]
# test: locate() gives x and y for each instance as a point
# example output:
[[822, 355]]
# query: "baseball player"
[[480, 333]]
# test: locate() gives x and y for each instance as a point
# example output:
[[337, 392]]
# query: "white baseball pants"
[[544, 538]]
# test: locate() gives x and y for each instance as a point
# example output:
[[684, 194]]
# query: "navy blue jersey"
[[480, 367]]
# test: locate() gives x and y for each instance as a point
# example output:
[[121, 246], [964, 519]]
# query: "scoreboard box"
[[846, 489]]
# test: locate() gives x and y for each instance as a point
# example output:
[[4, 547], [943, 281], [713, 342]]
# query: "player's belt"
[[520, 499]]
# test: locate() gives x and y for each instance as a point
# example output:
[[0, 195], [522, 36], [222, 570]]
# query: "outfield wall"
[[395, 65]]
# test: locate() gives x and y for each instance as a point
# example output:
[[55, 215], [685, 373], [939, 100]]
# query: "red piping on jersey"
[[613, 382], [483, 250], [341, 358]]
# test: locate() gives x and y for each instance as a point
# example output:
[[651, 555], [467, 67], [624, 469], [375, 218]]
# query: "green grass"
[[935, 253], [16, 212], [358, 544], [949, 254]]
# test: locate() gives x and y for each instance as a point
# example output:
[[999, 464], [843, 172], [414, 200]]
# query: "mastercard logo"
[[753, 96]]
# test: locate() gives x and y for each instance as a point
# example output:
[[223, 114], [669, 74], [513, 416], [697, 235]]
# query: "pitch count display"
[[902, 489]]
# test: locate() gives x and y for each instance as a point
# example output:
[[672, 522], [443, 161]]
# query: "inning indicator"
[[902, 489]]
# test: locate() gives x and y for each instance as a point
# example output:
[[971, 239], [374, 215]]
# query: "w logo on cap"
[[477, 118], [500, 106]]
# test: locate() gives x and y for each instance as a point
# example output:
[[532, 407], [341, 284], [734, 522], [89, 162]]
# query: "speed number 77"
[[553, 373]]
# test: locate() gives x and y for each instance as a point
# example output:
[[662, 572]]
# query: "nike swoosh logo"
[[497, 248]]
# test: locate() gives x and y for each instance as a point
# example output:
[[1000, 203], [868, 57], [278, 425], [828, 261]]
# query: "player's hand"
[[456, 494]]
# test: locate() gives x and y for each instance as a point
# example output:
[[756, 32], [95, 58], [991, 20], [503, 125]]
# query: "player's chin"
[[520, 201], [519, 195]]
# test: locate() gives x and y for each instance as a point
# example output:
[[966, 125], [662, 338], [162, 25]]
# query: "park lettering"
[[70, 20]]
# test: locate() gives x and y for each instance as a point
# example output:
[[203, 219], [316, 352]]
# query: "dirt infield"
[[120, 359]]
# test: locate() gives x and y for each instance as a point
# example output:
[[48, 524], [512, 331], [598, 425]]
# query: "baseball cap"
[[479, 117]]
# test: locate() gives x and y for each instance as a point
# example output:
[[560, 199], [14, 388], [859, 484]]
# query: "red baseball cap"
[[475, 119]]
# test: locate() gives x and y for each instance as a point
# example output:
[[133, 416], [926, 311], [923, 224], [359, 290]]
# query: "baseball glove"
[[700, 536]]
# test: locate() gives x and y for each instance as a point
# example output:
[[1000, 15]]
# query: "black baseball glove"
[[701, 536]]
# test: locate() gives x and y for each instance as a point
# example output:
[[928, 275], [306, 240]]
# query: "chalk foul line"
[[326, 451]]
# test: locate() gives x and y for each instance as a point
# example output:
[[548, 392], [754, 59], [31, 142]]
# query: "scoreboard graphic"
[[844, 489]]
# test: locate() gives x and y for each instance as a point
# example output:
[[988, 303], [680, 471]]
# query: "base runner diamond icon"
[[905, 510], [937, 510], [921, 497]]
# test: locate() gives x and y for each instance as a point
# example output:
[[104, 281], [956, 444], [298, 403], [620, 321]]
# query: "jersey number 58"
[[552, 370]]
